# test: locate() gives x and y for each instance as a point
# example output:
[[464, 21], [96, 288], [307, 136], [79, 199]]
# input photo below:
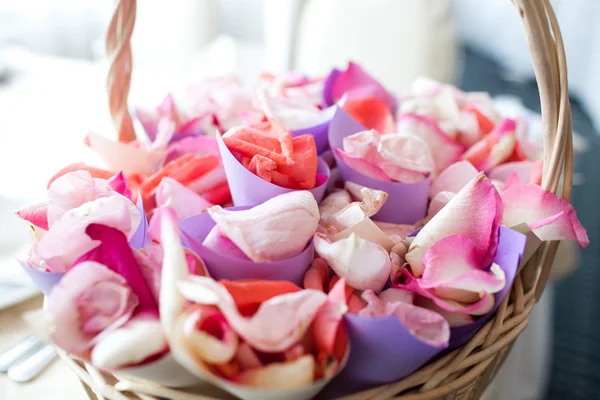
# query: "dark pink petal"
[[446, 149], [452, 263], [119, 185], [36, 214], [548, 216], [356, 83], [115, 253], [477, 201]]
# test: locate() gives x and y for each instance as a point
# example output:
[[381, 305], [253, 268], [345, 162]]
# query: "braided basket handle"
[[118, 50], [549, 63]]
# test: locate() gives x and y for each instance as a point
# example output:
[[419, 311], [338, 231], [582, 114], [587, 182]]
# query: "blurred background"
[[52, 92]]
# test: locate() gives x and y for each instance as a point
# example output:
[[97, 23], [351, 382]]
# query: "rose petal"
[[332, 204], [452, 263], [279, 322], [548, 216], [438, 202], [114, 252], [208, 336], [119, 185], [276, 230], [293, 114], [350, 257], [281, 376], [477, 201], [328, 319], [409, 152], [248, 295], [62, 245], [480, 307], [216, 241], [454, 319], [426, 325], [89, 294], [370, 112], [37, 214], [137, 340], [356, 83], [185, 202], [363, 166], [447, 150], [453, 178]]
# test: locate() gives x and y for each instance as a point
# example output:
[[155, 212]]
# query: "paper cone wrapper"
[[533, 242], [138, 240], [319, 131], [123, 157], [44, 281], [248, 189], [407, 202], [511, 246], [220, 266], [383, 351], [164, 371]]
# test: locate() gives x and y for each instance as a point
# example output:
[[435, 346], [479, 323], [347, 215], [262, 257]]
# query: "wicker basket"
[[465, 372]]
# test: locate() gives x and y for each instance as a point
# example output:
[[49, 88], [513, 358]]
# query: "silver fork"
[[26, 359]]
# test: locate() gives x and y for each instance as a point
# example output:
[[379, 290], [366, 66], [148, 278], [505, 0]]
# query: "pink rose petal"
[[140, 339], [453, 178], [477, 201], [115, 253], [184, 201], [66, 241], [363, 166], [452, 263], [447, 150], [35, 213], [276, 230], [438, 202], [220, 243], [363, 264], [279, 322], [328, 319], [88, 300], [548, 216], [119, 185], [424, 324], [357, 83], [332, 204]]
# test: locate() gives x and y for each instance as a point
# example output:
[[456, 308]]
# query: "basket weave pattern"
[[464, 373]]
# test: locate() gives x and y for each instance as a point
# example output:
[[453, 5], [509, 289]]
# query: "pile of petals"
[[105, 308], [274, 155], [285, 293], [265, 334]]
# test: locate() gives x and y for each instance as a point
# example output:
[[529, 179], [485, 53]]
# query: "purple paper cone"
[[407, 202], [510, 250], [382, 351], [248, 189], [45, 281], [220, 266], [328, 87], [139, 237], [319, 132]]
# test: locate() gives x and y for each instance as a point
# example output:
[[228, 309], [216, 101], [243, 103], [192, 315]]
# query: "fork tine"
[[19, 351]]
